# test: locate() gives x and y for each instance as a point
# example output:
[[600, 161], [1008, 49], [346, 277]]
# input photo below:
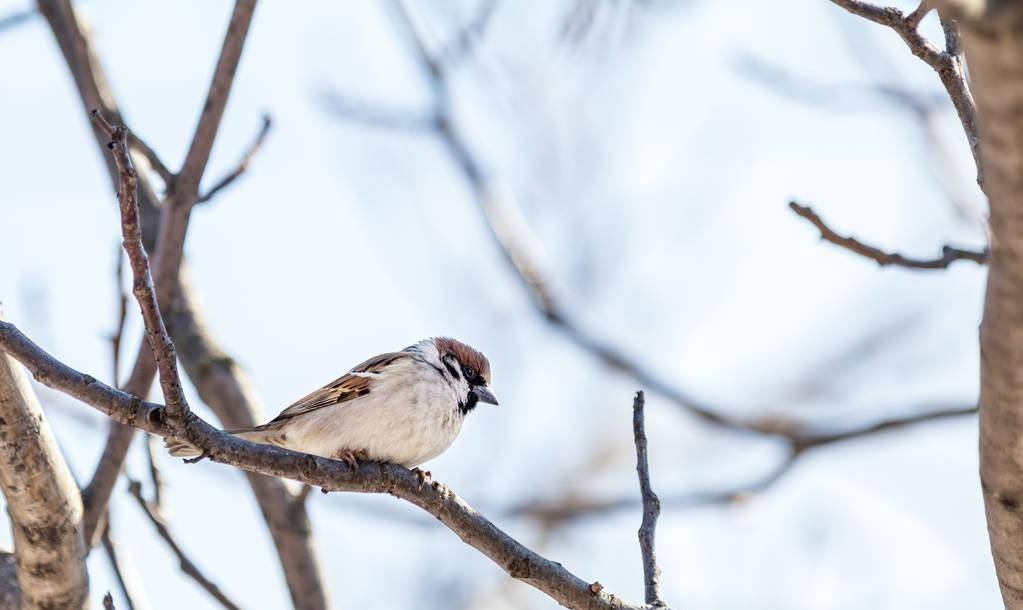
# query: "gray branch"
[[188, 566], [948, 256], [43, 501], [651, 508]]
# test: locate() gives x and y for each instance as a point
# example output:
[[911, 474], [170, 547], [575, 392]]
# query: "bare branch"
[[43, 502], [153, 447], [142, 280], [187, 565], [122, 316], [216, 99], [651, 508], [948, 256], [947, 64], [243, 165], [124, 572]]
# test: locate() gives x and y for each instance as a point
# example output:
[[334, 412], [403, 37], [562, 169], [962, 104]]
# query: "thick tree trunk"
[[43, 501], [993, 40]]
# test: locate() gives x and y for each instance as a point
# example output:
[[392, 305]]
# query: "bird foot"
[[350, 457], [424, 476]]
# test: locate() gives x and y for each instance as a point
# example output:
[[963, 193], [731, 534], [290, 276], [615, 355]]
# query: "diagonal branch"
[[124, 572], [243, 165], [187, 565], [948, 256]]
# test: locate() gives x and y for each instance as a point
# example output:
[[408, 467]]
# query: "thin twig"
[[946, 63], [187, 565], [153, 448], [948, 256], [243, 165], [122, 316], [142, 280], [651, 508], [124, 572]]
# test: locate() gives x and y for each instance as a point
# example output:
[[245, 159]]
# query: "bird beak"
[[485, 395]]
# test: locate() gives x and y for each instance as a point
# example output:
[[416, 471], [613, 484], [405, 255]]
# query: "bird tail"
[[183, 449]]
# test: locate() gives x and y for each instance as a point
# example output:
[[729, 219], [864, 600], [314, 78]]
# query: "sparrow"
[[402, 407]]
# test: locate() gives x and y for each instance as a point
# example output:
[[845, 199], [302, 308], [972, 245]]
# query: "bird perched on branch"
[[403, 407]]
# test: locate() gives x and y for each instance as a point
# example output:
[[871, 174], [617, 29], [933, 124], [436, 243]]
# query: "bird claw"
[[424, 476], [350, 457]]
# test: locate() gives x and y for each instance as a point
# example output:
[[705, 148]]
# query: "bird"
[[403, 407]]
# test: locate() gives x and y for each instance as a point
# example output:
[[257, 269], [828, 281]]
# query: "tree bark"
[[993, 41], [43, 501]]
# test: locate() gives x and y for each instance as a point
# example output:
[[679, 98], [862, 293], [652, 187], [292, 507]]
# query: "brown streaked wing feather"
[[342, 389]]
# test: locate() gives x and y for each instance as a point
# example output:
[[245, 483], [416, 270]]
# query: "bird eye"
[[469, 373]]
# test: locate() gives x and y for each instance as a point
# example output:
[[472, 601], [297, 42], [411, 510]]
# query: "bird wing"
[[353, 384]]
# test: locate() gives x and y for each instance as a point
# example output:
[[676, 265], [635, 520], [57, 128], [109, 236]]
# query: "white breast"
[[411, 415]]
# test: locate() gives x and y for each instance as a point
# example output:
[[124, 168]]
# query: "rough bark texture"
[[10, 591], [43, 501], [994, 53]]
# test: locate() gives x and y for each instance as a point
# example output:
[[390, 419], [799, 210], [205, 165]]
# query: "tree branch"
[[216, 99], [187, 565], [142, 280], [124, 572], [948, 256], [43, 501], [651, 508], [243, 165], [946, 63]]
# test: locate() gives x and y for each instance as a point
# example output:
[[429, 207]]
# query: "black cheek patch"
[[469, 404]]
